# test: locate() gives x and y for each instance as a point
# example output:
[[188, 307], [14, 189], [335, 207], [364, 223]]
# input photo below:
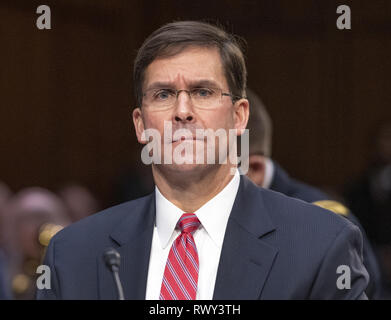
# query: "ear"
[[242, 110], [139, 125], [256, 169]]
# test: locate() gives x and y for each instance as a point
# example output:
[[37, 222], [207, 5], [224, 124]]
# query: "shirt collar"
[[269, 172], [213, 215]]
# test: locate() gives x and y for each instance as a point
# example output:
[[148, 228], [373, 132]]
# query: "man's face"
[[192, 68]]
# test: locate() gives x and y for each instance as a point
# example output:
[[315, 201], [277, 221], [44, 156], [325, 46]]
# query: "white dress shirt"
[[209, 238]]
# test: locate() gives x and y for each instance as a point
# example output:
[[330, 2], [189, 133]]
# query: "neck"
[[189, 191]]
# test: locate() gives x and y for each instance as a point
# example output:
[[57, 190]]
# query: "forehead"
[[189, 66]]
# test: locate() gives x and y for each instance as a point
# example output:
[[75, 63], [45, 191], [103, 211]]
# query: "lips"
[[185, 136], [185, 139]]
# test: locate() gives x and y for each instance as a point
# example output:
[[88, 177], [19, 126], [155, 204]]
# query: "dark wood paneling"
[[66, 93]]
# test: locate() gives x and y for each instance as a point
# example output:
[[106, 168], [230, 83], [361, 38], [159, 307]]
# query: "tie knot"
[[188, 223]]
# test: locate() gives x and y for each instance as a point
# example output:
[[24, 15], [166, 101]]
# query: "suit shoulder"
[[299, 215]]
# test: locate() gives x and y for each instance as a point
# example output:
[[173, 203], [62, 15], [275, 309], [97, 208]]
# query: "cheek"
[[222, 118], [155, 120]]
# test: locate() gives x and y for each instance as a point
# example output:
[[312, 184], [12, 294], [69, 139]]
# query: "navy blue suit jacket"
[[275, 247], [282, 182]]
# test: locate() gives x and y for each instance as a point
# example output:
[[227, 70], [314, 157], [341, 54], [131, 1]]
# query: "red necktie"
[[181, 273]]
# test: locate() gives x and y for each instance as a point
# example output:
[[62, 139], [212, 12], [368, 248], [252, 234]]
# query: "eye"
[[203, 92], [163, 94]]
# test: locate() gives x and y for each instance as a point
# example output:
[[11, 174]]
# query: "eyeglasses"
[[203, 98]]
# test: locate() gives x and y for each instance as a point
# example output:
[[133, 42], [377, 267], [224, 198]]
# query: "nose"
[[184, 108]]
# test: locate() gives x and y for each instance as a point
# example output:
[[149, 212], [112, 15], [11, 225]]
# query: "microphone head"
[[112, 258]]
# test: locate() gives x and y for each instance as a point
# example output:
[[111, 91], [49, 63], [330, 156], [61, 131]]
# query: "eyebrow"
[[192, 84]]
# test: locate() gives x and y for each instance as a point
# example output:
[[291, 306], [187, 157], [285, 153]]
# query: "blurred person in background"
[[79, 201], [267, 173], [5, 194], [370, 198], [5, 292], [5, 288], [31, 217]]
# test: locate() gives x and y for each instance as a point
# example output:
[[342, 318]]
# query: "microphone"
[[113, 260]]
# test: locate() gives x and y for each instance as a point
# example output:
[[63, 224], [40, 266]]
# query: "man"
[[369, 196], [266, 173], [205, 232], [29, 213]]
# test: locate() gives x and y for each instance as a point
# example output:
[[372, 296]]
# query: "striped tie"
[[181, 273]]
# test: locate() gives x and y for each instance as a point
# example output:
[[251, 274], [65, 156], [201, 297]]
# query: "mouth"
[[185, 139]]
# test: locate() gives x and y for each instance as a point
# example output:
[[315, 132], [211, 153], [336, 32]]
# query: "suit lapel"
[[245, 261], [246, 258], [134, 237]]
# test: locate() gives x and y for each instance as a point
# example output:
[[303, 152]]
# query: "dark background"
[[66, 94]]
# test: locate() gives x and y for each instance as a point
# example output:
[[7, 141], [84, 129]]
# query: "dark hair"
[[259, 125], [174, 37]]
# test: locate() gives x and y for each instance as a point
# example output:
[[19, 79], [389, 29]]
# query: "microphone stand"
[[113, 259]]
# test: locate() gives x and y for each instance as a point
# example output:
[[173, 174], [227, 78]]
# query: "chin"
[[186, 168]]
